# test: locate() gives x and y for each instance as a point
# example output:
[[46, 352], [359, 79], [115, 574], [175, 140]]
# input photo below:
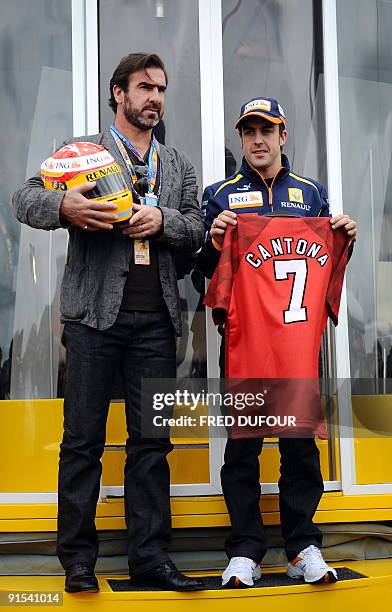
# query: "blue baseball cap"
[[268, 108]]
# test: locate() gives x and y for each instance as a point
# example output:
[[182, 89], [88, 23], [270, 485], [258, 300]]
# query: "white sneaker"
[[241, 572], [311, 566]]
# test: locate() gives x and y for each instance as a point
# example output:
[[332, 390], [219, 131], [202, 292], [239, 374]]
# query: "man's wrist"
[[216, 244], [62, 217], [159, 233]]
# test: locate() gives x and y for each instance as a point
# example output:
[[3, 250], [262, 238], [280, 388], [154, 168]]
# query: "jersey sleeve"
[[339, 262], [219, 291]]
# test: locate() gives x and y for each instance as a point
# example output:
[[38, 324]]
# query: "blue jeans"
[[140, 345]]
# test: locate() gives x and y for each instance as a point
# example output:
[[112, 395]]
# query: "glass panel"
[[365, 94], [168, 29], [270, 50], [274, 49], [365, 86], [35, 117]]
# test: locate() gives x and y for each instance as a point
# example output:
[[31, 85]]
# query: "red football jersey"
[[277, 281]]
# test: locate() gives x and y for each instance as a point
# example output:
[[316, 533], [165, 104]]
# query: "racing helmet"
[[83, 162]]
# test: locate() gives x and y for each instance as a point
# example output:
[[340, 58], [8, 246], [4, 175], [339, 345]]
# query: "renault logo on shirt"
[[295, 195], [245, 200]]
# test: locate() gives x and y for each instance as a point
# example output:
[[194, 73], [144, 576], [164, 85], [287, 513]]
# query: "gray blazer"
[[98, 262]]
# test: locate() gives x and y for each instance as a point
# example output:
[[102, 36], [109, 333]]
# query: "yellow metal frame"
[[201, 512]]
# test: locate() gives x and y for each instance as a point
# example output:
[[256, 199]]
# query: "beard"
[[136, 117]]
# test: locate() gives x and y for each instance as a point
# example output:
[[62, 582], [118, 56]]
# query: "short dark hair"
[[127, 66]]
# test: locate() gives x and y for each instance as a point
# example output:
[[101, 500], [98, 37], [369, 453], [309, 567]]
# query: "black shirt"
[[143, 289]]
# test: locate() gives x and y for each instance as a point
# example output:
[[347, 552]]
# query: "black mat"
[[215, 582]]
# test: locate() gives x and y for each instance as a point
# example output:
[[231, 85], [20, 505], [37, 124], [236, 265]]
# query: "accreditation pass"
[[141, 252]]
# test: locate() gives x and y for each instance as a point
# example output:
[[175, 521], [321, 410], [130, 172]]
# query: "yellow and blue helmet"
[[84, 162]]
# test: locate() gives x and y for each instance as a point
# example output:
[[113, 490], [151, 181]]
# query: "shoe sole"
[[235, 583], [328, 578], [81, 590]]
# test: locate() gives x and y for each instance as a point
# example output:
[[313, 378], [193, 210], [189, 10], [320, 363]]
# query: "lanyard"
[[120, 141]]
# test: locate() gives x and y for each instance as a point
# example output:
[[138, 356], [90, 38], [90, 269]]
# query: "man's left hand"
[[346, 223], [146, 221]]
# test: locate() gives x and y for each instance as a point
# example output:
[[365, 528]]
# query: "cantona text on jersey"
[[287, 245]]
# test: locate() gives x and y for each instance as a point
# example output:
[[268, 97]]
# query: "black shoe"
[[167, 578], [81, 577]]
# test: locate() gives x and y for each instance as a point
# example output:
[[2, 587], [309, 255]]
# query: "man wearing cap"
[[266, 184]]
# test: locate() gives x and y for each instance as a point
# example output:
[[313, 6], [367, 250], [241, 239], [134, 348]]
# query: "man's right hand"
[[87, 214], [219, 225]]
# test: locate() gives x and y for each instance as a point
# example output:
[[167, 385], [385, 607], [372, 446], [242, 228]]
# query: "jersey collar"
[[247, 171]]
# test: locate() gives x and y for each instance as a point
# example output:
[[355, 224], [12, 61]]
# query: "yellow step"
[[351, 595]]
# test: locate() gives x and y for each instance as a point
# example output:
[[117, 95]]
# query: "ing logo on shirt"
[[296, 195], [245, 200]]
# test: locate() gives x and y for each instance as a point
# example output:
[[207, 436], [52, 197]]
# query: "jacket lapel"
[[167, 176]]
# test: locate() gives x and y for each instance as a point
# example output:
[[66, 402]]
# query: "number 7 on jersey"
[[296, 311]]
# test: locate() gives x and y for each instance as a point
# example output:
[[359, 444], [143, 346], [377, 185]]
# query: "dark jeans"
[[139, 344], [300, 490]]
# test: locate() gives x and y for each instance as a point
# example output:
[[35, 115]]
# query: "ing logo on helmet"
[[83, 162]]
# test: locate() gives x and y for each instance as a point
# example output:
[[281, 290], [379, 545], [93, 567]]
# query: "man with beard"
[[125, 318]]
